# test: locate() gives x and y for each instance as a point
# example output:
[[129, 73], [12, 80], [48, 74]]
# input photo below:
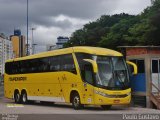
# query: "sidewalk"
[[1, 90]]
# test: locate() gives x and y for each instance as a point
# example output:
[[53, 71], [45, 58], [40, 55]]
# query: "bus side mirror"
[[132, 67], [94, 64]]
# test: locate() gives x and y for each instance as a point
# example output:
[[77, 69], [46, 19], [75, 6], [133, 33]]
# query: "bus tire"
[[24, 98], [17, 97], [76, 103], [106, 107]]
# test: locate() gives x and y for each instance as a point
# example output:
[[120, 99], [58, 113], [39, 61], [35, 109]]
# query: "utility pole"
[[33, 45], [27, 32]]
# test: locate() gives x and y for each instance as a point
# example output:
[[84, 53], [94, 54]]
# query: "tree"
[[92, 33], [121, 29], [118, 34]]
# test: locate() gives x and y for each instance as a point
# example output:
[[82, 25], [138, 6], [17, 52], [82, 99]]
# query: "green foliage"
[[111, 31], [119, 33]]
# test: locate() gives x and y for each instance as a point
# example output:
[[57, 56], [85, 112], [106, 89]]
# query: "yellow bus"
[[77, 75]]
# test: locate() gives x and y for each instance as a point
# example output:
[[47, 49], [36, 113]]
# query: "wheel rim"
[[17, 96], [24, 98], [76, 101]]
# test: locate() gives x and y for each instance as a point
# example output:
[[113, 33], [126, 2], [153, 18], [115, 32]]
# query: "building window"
[[154, 66], [140, 65]]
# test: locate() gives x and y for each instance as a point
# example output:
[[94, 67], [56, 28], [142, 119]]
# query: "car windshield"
[[112, 72]]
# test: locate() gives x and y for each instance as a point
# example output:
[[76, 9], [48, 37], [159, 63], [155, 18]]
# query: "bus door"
[[88, 77]]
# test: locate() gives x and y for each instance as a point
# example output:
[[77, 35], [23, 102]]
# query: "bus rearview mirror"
[[132, 67], [94, 64]]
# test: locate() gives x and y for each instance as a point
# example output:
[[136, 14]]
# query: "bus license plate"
[[116, 101]]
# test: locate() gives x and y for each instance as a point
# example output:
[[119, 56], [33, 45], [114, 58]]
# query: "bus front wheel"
[[17, 97], [76, 103]]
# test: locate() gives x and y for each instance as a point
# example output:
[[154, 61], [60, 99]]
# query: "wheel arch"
[[16, 95], [16, 90], [72, 93], [24, 90]]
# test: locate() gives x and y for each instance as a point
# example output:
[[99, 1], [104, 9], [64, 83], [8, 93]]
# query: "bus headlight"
[[112, 96], [101, 93], [128, 94]]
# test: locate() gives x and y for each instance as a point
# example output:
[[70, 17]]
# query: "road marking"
[[15, 105]]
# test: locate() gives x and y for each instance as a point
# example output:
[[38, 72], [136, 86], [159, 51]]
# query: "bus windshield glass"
[[112, 72]]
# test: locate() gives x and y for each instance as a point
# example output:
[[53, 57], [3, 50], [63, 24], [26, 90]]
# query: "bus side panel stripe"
[[45, 98]]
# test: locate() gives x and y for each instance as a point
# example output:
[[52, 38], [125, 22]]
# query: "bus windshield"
[[112, 72]]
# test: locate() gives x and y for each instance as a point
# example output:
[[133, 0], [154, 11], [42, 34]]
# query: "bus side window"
[[20, 67], [11, 68], [43, 64], [15, 68], [80, 57], [67, 63], [54, 63], [32, 66], [88, 73], [8, 68]]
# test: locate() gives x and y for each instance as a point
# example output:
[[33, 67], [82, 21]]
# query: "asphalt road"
[[58, 111]]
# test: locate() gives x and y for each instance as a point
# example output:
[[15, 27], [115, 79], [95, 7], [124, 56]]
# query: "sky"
[[53, 18]]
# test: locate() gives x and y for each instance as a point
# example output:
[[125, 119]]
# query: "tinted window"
[[55, 63], [46, 64], [67, 63], [85, 67], [88, 74], [33, 66], [80, 57], [8, 68], [15, 67]]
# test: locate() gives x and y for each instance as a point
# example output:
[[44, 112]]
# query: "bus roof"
[[82, 49], [97, 51]]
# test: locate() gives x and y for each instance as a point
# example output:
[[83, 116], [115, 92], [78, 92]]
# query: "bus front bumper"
[[102, 100]]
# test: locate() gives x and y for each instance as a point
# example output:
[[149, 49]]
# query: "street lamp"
[[33, 45], [27, 31]]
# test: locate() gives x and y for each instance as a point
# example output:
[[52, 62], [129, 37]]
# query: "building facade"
[[19, 45], [61, 41], [6, 51], [146, 84]]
